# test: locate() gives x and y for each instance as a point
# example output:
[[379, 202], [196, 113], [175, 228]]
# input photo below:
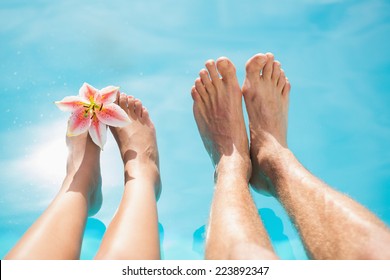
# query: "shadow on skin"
[[129, 155]]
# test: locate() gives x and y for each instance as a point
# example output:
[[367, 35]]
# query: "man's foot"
[[218, 114], [83, 169], [137, 142], [266, 92]]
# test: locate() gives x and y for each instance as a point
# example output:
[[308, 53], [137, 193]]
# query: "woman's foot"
[[83, 170], [266, 93], [218, 114], [137, 142]]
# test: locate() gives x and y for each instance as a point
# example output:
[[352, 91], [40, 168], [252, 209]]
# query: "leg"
[[57, 234], [235, 230], [133, 232], [332, 225]]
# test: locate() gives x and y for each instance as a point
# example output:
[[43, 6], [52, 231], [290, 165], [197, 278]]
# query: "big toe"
[[122, 102], [255, 65], [226, 68]]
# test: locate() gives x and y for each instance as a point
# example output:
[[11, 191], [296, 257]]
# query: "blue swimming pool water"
[[335, 53]]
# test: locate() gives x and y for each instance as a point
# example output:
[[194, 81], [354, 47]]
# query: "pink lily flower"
[[93, 110]]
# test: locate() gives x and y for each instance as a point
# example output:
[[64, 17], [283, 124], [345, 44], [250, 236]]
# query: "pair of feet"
[[137, 145], [218, 112]]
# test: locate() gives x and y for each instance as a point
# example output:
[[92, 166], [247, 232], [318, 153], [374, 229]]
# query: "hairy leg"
[[133, 232], [57, 234], [332, 225], [235, 230]]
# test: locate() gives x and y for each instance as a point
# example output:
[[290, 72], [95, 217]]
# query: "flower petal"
[[108, 95], [70, 103], [98, 132], [79, 122], [88, 92], [113, 115]]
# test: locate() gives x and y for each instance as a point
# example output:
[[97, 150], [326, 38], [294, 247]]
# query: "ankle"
[[233, 166], [144, 176], [142, 167], [274, 161], [146, 155], [90, 166]]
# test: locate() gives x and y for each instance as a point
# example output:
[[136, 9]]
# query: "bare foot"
[[266, 93], [137, 142], [83, 169], [218, 114]]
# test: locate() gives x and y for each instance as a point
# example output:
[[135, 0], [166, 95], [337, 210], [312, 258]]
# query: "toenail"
[[209, 62], [222, 59]]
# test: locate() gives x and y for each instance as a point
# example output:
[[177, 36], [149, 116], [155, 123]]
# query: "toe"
[[195, 94], [226, 68], [123, 102], [210, 65], [138, 108], [144, 115], [200, 88], [286, 89], [268, 68], [276, 72], [282, 80], [118, 96], [255, 65], [205, 78], [131, 106]]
